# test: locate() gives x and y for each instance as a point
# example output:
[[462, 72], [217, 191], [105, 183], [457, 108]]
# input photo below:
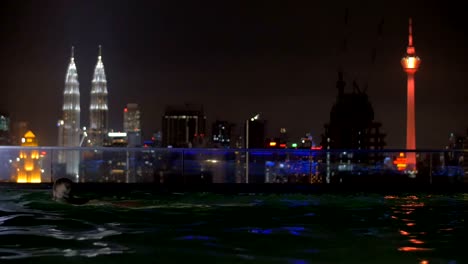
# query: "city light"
[[401, 162], [272, 144], [256, 117], [117, 134]]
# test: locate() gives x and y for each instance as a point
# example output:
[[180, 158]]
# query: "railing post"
[[430, 168], [183, 166], [311, 175]]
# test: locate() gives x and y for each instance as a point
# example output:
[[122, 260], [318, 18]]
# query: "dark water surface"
[[209, 228]]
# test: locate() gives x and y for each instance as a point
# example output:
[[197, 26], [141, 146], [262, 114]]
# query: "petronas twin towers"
[[69, 127]]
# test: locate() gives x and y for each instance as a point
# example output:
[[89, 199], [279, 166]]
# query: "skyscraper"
[[131, 118], [98, 106], [183, 126], [255, 133], [131, 124], [410, 65], [69, 126], [352, 124]]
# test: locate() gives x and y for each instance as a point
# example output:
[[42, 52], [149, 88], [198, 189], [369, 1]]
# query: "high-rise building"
[[69, 125], [4, 129], [98, 118], [255, 133], [352, 124], [221, 134], [183, 126], [131, 116], [131, 124], [410, 65]]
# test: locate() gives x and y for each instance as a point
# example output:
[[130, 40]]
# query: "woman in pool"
[[63, 192]]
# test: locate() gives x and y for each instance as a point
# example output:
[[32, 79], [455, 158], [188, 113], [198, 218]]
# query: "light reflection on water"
[[308, 229]]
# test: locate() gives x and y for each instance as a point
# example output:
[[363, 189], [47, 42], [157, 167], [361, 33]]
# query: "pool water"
[[180, 228]]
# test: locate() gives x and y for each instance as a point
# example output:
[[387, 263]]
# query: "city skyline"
[[281, 61]]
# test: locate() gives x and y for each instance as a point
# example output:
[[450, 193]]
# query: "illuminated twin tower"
[[70, 132]]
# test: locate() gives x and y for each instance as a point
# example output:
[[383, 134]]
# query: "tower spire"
[[100, 51], [410, 50], [72, 52]]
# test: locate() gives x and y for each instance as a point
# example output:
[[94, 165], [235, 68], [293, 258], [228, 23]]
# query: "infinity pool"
[[181, 228]]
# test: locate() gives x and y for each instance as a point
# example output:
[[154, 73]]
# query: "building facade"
[[352, 125], [256, 134], [183, 126], [132, 125]]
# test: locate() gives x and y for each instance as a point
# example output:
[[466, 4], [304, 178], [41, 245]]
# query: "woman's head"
[[62, 189]]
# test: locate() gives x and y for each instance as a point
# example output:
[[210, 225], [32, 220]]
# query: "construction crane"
[[344, 49]]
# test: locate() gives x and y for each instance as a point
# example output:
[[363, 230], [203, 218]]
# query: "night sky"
[[237, 58]]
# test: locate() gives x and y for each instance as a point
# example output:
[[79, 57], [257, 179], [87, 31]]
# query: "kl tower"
[[410, 65]]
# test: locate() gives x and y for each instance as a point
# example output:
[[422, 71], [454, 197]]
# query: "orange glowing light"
[[424, 262], [413, 205], [410, 64], [272, 144], [29, 170], [446, 229], [410, 224], [415, 241], [413, 249], [403, 233], [400, 162], [389, 197]]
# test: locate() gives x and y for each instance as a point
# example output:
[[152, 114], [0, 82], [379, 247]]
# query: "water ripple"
[[10, 254]]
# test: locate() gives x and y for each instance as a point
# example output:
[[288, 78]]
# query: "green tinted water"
[[296, 229]]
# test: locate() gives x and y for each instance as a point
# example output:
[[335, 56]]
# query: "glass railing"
[[199, 166]]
